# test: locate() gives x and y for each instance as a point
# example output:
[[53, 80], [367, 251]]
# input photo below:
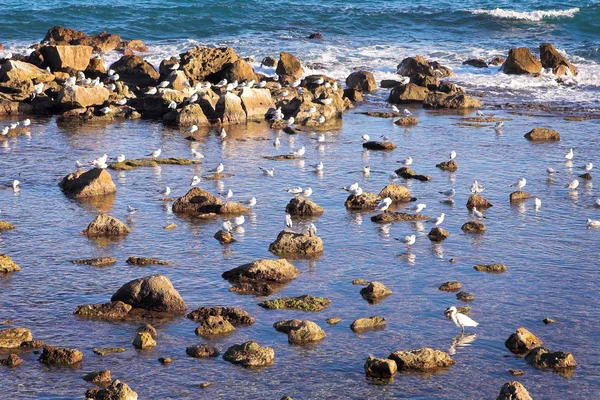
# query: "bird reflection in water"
[[461, 340]]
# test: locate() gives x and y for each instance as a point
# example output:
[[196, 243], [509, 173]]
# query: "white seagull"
[[268, 172], [384, 204], [288, 221], [295, 191], [591, 223], [569, 155], [409, 240], [417, 208], [520, 184], [220, 168], [574, 184], [300, 152], [155, 153], [195, 180], [438, 221]]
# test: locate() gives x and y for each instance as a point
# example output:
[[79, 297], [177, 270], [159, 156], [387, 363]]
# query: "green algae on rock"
[[150, 162], [302, 303]]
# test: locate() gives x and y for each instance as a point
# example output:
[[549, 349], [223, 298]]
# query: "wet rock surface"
[[424, 359], [380, 368], [368, 324], [490, 268], [115, 391], [542, 134], [11, 361], [12, 338], [96, 262], [236, 316], [513, 391], [541, 357], [60, 356], [522, 341], [450, 286], [438, 234], [473, 227], [407, 173], [478, 201], [144, 261], [375, 292], [7, 265], [396, 216], [152, 293], [290, 243], [302, 303], [201, 202], [303, 207], [202, 351], [213, 326], [105, 225], [379, 145], [250, 354]]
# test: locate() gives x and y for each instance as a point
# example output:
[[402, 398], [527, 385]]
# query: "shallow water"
[[551, 257]]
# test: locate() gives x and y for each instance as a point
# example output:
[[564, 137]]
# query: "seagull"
[[367, 170], [300, 152], [449, 193], [385, 138], [395, 109], [520, 184], [120, 158], [172, 105], [573, 184], [393, 177], [480, 113], [114, 77], [192, 129], [319, 167], [110, 72], [121, 102], [268, 172], [132, 210], [276, 142], [163, 84], [174, 67], [365, 138], [476, 188], [598, 202], [27, 122], [551, 171], [569, 155], [460, 320], [409, 240], [499, 125], [408, 161], [78, 165], [350, 188], [405, 80], [307, 192], [320, 138], [229, 87], [294, 191], [588, 167], [262, 84], [326, 101], [477, 214], [288, 221], [321, 119], [219, 169], [312, 229], [356, 192], [592, 223], [319, 81], [239, 221], [452, 155], [406, 112], [195, 180], [290, 121], [166, 192], [384, 204], [537, 203], [312, 110], [227, 195], [221, 83], [250, 203], [296, 83], [193, 98], [155, 153], [100, 162], [105, 110], [223, 134], [151, 91], [5, 131], [197, 155], [285, 93], [226, 226], [438, 221], [417, 208], [15, 185]]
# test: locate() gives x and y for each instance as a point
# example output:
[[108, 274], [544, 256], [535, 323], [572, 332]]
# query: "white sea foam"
[[528, 15]]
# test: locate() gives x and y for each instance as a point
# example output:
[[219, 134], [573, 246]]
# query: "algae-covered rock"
[[302, 303], [250, 354]]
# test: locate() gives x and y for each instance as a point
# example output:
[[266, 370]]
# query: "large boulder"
[[303, 206], [178, 80], [152, 293], [236, 316], [451, 101], [96, 68], [102, 42], [58, 34], [478, 201], [513, 391], [363, 80], [424, 359], [207, 63], [13, 337], [520, 61], [250, 354], [115, 391], [418, 65], [366, 201], [60, 356], [229, 109], [374, 292], [105, 225], [542, 135], [7, 265], [541, 357], [306, 332], [134, 70], [256, 103], [78, 96], [522, 341], [192, 114], [409, 93], [214, 326], [201, 202], [398, 193], [380, 368], [278, 271], [239, 71], [19, 71], [59, 58], [82, 184], [367, 324], [289, 242], [289, 65], [559, 64]]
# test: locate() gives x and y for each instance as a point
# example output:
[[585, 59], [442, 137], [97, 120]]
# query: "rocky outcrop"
[[94, 182], [425, 359], [541, 357], [521, 61], [375, 292], [59, 58], [473, 227], [250, 354], [409, 93], [366, 201], [418, 65], [451, 101], [380, 368], [198, 201], [438, 234], [398, 193], [19, 71], [105, 225], [368, 324], [239, 71], [513, 391], [542, 134], [491, 268], [522, 341], [236, 316], [302, 303], [478, 201], [134, 70], [363, 80], [115, 391], [552, 59], [213, 326], [276, 271], [289, 65], [256, 103], [201, 351], [7, 265], [224, 237], [113, 310], [13, 337], [229, 109], [60, 356], [152, 293], [304, 207], [207, 63], [70, 97], [143, 341], [292, 243]]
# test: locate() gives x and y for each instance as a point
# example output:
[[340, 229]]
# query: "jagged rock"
[[407, 173], [451, 101], [424, 359], [250, 354], [96, 262], [201, 351], [105, 225], [224, 237], [366, 201], [7, 265], [394, 216], [206, 63], [108, 350], [289, 65], [178, 80], [368, 324], [519, 196], [95, 68], [191, 114], [239, 71], [438, 234], [355, 95], [306, 332], [143, 261], [542, 134], [465, 296], [398, 193], [541, 357], [133, 45], [478, 201], [496, 61], [473, 227], [98, 377], [134, 70], [60, 356], [292, 243], [152, 293], [447, 166], [110, 311], [375, 292], [551, 58], [380, 368], [202, 202], [115, 391], [12, 338], [549, 321], [213, 326], [302, 206], [256, 103], [418, 65], [302, 303], [333, 320], [94, 182], [236, 316], [492, 268], [407, 120], [6, 226], [102, 42], [374, 145], [279, 271], [268, 61], [409, 93], [521, 61], [476, 62], [522, 341], [229, 109], [58, 34], [144, 340], [11, 361], [362, 79], [148, 329], [513, 391], [59, 58], [450, 286], [19, 71]]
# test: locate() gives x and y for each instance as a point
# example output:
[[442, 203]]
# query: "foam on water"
[[537, 15]]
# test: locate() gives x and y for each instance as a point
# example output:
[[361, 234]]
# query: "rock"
[[33, 344], [355, 95], [94, 182], [540, 357], [148, 329], [165, 360], [102, 42], [98, 377], [492, 268], [191, 114], [409, 93], [496, 61], [59, 58], [109, 350], [380, 368], [518, 196], [316, 35], [450, 286], [204, 385], [7, 265], [587, 176], [213, 326], [302, 303], [447, 166], [292, 243], [542, 134], [366, 201], [152, 293], [96, 262], [548, 321], [60, 356], [418, 65], [374, 145], [268, 61], [303, 207], [236, 316], [278, 271], [407, 173], [361, 282], [451, 101], [307, 332], [521, 61], [206, 63], [438, 234], [13, 337], [391, 216], [362, 79], [289, 65], [115, 391], [398, 193], [424, 359], [333, 320], [201, 351], [134, 45], [476, 62], [522, 341], [250, 354], [224, 237], [178, 80], [229, 109], [6, 226], [134, 70], [105, 225], [143, 261], [18, 72], [465, 296], [11, 361], [478, 201], [144, 340], [368, 324], [513, 391], [375, 292], [287, 326], [551, 58], [516, 372], [239, 71], [406, 120], [202, 202], [256, 103], [170, 226], [58, 34], [473, 227], [110, 311], [389, 83], [71, 97]]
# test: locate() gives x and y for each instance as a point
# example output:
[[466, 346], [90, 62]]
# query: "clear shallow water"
[[551, 258]]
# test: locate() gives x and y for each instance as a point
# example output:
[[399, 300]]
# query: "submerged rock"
[[397, 217], [513, 391], [333, 320], [152, 293], [406, 120], [519, 196], [522, 341], [143, 261], [492, 268], [289, 242], [60, 356], [424, 359], [110, 311], [368, 324], [450, 286], [408, 173], [224, 237], [465, 296], [418, 65], [447, 166], [380, 368], [250, 354], [96, 262], [11, 361], [7, 265], [541, 357], [521, 61], [201, 351], [478, 201], [236, 316], [303, 207], [473, 227], [128, 165], [438, 234], [476, 62], [12, 338], [375, 292], [302, 303], [105, 225], [542, 134], [374, 145], [213, 326], [143, 341], [202, 202], [115, 391], [6, 226], [108, 350], [548, 321]]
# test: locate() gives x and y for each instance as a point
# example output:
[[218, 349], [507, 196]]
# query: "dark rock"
[[366, 201], [134, 70], [542, 358], [201, 351], [375, 292], [451, 101], [368, 324], [473, 227], [303, 207], [355, 95], [278, 271], [292, 243], [448, 166], [98, 377], [213, 326], [362, 79], [224, 237], [406, 120], [450, 286], [478, 201], [522, 341], [542, 134], [268, 61], [105, 225], [496, 61], [153, 293], [11, 361], [165, 360], [407, 173], [418, 65], [115, 391], [143, 261], [389, 83], [374, 145], [476, 62], [437, 234], [302, 303], [516, 372], [202, 202], [380, 368], [315, 35], [551, 58], [409, 93], [236, 316], [424, 359], [289, 65], [519, 196], [492, 268], [250, 354], [465, 296], [149, 329], [548, 321], [60, 356], [513, 391], [521, 61], [393, 216]]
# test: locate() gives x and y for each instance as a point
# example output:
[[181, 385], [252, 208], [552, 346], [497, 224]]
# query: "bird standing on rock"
[[155, 153], [288, 221], [520, 184]]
